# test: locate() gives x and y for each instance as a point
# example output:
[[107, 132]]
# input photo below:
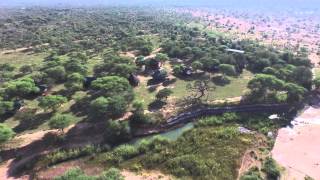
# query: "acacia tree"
[[52, 102], [112, 86], [20, 88], [74, 82], [263, 85], [60, 121], [112, 106], [200, 89]]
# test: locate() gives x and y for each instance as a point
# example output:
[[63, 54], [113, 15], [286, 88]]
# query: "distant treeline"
[[232, 4]]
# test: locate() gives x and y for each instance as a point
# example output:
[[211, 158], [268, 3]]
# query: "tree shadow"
[[81, 107], [33, 122], [156, 105]]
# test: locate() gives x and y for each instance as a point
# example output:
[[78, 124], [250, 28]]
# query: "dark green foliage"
[[25, 69], [78, 174], [115, 66], [6, 107], [52, 102], [20, 88], [218, 120], [271, 169], [113, 85], [227, 69], [6, 133], [252, 174], [111, 174], [108, 107], [75, 174], [6, 67], [117, 132], [74, 82], [60, 121], [57, 73], [164, 94]]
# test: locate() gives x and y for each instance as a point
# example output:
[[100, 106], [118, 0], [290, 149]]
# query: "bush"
[[271, 169], [6, 133], [64, 155], [121, 153], [218, 120], [111, 174], [75, 174], [252, 174]]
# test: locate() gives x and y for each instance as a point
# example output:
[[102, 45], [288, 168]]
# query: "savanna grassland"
[[79, 85]]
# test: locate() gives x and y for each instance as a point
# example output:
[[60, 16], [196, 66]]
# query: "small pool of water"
[[171, 135]]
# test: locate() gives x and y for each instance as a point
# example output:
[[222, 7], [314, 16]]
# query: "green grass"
[[236, 88], [19, 58]]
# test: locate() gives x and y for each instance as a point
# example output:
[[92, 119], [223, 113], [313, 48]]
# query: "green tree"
[[112, 107], [60, 121], [227, 69], [271, 169], [5, 106], [197, 65], [117, 132], [57, 73], [146, 50], [295, 92], [140, 61], [74, 82], [75, 66], [302, 76], [262, 85], [52, 102], [161, 57], [113, 86], [164, 94], [200, 89], [6, 133], [20, 88]]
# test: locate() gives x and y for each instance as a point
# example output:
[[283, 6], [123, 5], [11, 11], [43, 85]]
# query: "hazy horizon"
[[303, 4]]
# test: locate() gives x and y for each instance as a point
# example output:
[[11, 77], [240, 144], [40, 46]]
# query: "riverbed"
[[297, 148]]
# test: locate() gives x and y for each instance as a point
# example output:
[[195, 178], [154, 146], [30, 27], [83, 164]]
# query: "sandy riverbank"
[[297, 149]]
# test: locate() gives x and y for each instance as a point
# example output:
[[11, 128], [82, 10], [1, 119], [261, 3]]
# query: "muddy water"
[[298, 148]]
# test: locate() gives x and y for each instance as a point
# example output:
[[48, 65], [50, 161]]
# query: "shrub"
[[271, 169], [6, 133], [111, 174], [252, 174]]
